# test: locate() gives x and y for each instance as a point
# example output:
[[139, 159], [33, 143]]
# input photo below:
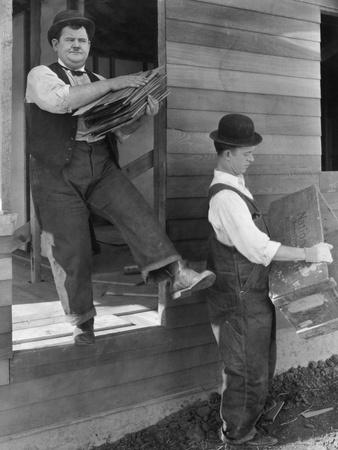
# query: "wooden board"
[[204, 164], [199, 121], [179, 141], [232, 39], [201, 56], [231, 80], [227, 17], [210, 98], [286, 8], [281, 184], [45, 405]]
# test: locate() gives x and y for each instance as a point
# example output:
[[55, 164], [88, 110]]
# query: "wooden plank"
[[35, 363], [280, 184], [198, 164], [185, 315], [194, 142], [160, 137], [41, 413], [245, 103], [198, 335], [6, 46], [5, 244], [6, 345], [231, 39], [236, 81], [199, 121], [113, 373], [330, 4], [332, 199], [287, 8], [5, 292], [4, 372], [5, 267], [24, 322], [185, 187], [228, 17], [186, 229], [186, 208], [194, 250], [5, 319], [139, 165], [202, 56], [328, 182], [63, 329]]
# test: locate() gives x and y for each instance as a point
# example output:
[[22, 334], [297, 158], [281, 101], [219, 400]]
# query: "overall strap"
[[215, 188]]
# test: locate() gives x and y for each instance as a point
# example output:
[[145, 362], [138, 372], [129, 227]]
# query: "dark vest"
[[235, 274], [52, 136]]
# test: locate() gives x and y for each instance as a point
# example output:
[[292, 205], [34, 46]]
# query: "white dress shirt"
[[231, 219], [51, 94]]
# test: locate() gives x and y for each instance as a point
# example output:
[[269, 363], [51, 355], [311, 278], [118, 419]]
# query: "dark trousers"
[[63, 200], [246, 337]]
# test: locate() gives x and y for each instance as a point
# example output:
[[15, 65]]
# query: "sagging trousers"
[[63, 200]]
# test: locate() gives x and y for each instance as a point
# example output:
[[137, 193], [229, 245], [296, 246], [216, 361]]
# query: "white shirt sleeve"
[[234, 226], [47, 90]]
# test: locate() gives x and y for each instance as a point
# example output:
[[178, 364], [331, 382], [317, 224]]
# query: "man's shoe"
[[186, 280], [259, 440], [84, 333]]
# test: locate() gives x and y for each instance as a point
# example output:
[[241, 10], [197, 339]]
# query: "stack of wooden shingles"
[[121, 108]]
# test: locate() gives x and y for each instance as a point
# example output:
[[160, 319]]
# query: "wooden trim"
[[160, 136], [139, 165], [35, 58]]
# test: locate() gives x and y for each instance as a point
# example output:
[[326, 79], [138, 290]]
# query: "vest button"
[[70, 149], [67, 160]]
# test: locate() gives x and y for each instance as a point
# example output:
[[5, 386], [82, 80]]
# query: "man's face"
[[72, 47], [240, 159]]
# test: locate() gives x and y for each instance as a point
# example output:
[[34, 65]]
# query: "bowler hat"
[[70, 17], [236, 130]]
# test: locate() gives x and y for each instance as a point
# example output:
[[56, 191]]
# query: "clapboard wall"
[[256, 57]]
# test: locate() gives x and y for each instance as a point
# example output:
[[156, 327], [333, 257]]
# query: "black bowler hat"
[[70, 17], [236, 130]]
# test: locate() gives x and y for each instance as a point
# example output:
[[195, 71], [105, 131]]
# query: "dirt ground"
[[303, 390]]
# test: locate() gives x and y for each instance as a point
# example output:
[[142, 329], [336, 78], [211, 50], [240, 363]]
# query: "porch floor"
[[122, 301]]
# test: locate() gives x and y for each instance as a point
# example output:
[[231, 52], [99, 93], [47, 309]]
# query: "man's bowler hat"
[[70, 17], [236, 130]]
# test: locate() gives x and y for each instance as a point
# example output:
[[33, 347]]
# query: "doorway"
[[329, 91]]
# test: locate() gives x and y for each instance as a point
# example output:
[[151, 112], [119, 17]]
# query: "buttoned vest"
[[52, 136]]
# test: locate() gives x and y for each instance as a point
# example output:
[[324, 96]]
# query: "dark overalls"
[[243, 321]]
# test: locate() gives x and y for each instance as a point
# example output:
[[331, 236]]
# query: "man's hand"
[[319, 253], [128, 81], [153, 106]]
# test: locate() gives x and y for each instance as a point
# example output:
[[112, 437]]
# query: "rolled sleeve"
[[48, 91]]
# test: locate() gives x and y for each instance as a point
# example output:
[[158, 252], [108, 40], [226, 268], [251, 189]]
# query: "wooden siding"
[[52, 382], [260, 58]]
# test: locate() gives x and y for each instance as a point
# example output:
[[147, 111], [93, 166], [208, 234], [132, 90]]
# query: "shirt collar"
[[223, 177], [81, 69]]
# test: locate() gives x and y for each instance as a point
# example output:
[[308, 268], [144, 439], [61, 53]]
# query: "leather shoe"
[[186, 280], [259, 440], [84, 333]]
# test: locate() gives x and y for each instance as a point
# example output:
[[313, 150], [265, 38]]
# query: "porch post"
[[7, 220]]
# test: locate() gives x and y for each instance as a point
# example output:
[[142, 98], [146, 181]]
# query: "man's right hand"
[[319, 253], [126, 81]]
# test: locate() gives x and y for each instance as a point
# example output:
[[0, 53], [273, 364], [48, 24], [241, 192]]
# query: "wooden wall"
[[256, 57]]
